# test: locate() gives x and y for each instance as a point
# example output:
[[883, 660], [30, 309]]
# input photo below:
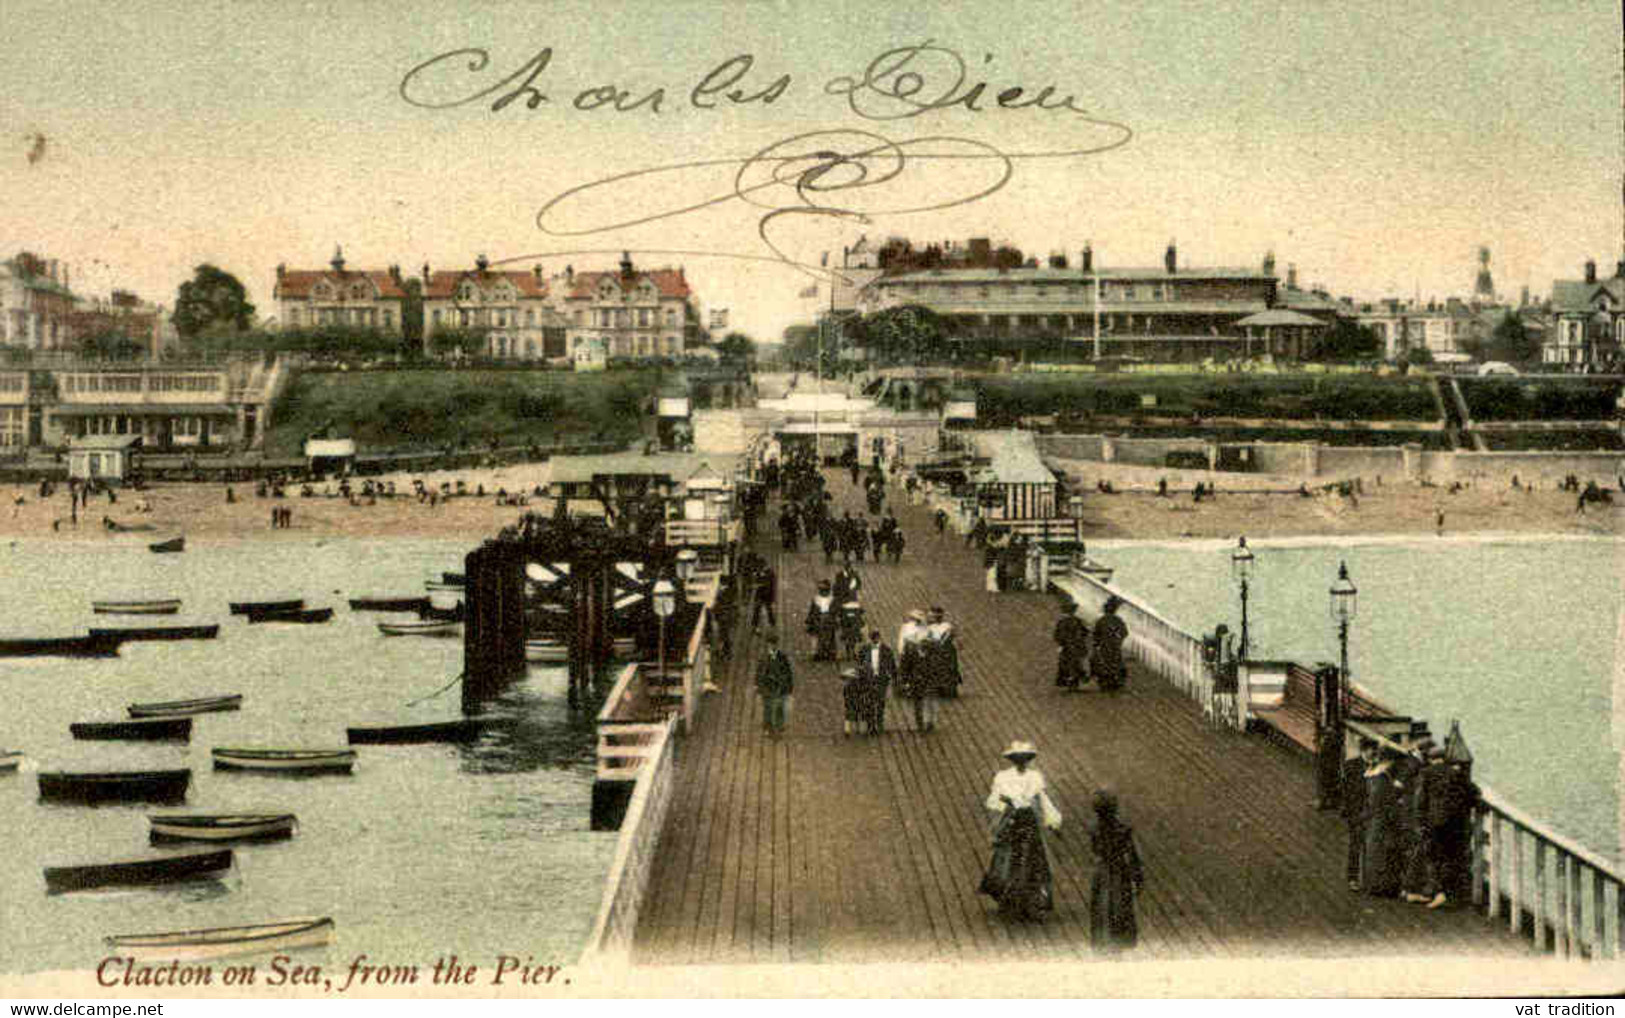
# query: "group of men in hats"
[[1085, 655]]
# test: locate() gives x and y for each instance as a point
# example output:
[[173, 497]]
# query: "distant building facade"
[[36, 305], [514, 308], [631, 312], [340, 296], [123, 314], [1588, 320]]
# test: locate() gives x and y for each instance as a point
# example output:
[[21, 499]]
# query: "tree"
[[111, 345], [1512, 342], [737, 349], [1347, 340], [467, 342], [214, 301]]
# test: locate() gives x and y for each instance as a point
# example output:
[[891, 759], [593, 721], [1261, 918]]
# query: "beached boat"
[[10, 759], [115, 786], [300, 615], [251, 607], [459, 730], [60, 646], [284, 761], [548, 651], [444, 585], [223, 941], [172, 545], [179, 708], [388, 604], [128, 634], [135, 728], [165, 606], [136, 872], [427, 627], [164, 828]]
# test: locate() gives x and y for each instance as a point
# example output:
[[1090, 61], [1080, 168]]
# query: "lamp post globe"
[[1241, 570]]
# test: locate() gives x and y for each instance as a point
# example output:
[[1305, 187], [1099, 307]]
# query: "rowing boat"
[[178, 708], [251, 607], [171, 827], [165, 606], [459, 730], [10, 759], [423, 628], [162, 870], [128, 634], [303, 615], [284, 761], [60, 646], [388, 604], [224, 941], [139, 728], [115, 786], [172, 545]]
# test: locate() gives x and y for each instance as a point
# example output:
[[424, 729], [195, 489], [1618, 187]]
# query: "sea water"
[[481, 850], [1514, 637]]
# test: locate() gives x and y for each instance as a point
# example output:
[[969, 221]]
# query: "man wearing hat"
[[775, 682], [1018, 876], [1353, 805], [877, 666], [1445, 797], [1072, 635]]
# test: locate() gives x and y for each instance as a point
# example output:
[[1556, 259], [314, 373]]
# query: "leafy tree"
[[469, 342], [1512, 342], [911, 334], [213, 300], [736, 348], [1346, 340]]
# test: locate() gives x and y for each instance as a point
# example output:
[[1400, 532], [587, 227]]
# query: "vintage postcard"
[[552, 500]]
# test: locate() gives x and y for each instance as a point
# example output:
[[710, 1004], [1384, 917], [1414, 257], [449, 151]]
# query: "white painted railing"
[[633, 865]]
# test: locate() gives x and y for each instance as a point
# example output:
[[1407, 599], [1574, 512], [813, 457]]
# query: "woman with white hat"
[[1018, 877]]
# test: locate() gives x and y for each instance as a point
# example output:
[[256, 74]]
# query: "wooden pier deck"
[[818, 848]]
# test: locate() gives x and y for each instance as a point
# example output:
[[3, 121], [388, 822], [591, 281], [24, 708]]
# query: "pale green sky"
[[1376, 146]]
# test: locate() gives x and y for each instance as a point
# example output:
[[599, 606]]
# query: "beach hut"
[[102, 457], [329, 455]]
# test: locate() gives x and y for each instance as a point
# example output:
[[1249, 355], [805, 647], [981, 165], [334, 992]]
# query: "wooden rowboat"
[[250, 607], [224, 941], [60, 646], [115, 786], [165, 828], [550, 651], [167, 606], [459, 730], [179, 708], [172, 545], [10, 759], [300, 615], [163, 870], [137, 728], [285, 761], [128, 634], [388, 604], [422, 628]]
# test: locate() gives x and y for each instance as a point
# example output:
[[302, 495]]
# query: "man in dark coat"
[[877, 668], [775, 682], [767, 592], [847, 585], [829, 539], [1072, 666], [1445, 798], [789, 529], [1354, 806], [1106, 661]]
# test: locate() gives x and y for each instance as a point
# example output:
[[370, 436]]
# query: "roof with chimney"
[[444, 285], [1044, 274], [1576, 296], [669, 283], [341, 283]]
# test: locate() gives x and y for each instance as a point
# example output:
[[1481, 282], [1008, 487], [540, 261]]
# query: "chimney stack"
[[1087, 259], [425, 273], [1291, 277], [1171, 259], [536, 271], [1591, 271], [1619, 270]]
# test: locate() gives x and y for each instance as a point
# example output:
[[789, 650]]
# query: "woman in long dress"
[[1106, 661], [1382, 863], [1118, 877], [1018, 877]]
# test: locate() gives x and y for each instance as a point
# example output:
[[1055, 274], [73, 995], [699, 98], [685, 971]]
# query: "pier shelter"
[[102, 457]]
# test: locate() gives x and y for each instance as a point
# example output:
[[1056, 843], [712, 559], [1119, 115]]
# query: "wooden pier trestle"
[[815, 847]]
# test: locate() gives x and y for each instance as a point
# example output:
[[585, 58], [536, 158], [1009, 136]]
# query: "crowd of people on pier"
[[913, 676]]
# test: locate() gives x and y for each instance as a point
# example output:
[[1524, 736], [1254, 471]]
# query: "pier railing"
[[629, 724], [1160, 645], [630, 871]]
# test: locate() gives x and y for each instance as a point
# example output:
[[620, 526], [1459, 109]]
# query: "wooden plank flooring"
[[819, 848]]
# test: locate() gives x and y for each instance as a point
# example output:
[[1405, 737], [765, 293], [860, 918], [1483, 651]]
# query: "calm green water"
[[424, 851], [1515, 638]]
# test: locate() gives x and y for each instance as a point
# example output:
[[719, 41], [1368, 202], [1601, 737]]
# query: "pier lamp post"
[[1241, 569], [665, 602], [1331, 693]]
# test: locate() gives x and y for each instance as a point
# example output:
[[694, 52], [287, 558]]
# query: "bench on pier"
[[1281, 699]]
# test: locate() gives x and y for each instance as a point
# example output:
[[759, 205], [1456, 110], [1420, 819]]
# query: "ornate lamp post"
[[1241, 569], [665, 602], [1331, 692]]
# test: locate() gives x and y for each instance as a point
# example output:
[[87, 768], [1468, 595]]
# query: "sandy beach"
[[201, 513]]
